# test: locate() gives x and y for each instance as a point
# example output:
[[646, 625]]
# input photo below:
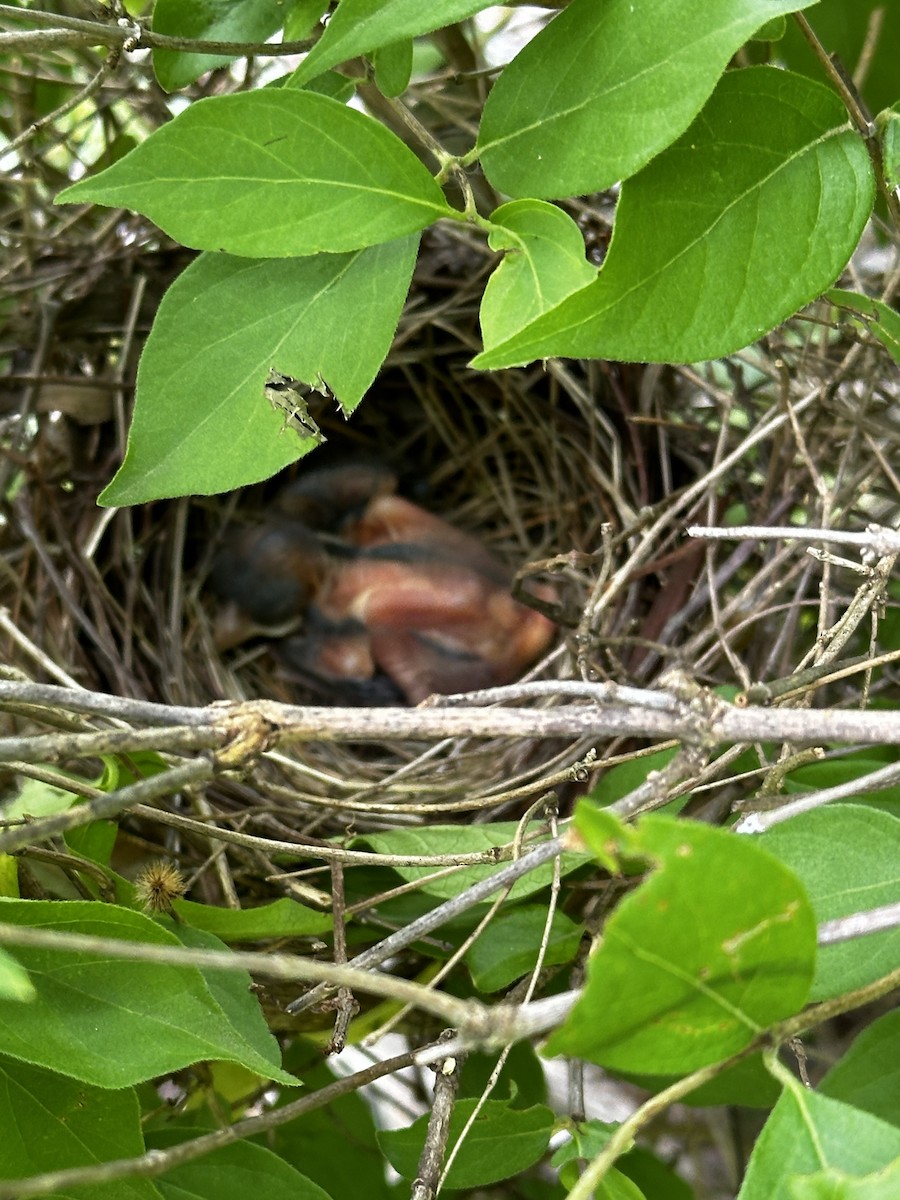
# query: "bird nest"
[[118, 601], [567, 473], [580, 475]]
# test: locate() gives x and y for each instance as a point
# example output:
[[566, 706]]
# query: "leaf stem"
[[859, 114]]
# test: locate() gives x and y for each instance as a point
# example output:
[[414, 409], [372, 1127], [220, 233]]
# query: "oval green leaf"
[[605, 87], [846, 855], [51, 1123], [231, 1173], [508, 948], [113, 1022], [462, 839], [271, 174], [714, 946], [544, 263], [723, 236], [807, 1133], [202, 423], [868, 1074], [878, 318]]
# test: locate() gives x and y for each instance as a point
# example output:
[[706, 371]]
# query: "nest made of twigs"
[[583, 473]]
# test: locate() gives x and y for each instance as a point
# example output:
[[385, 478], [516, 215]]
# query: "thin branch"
[[467, 1015], [322, 850], [865, 126], [440, 915], [873, 782], [861, 924], [704, 719], [110, 804], [345, 1004], [446, 1086], [105, 33], [92, 86], [879, 539], [177, 739]]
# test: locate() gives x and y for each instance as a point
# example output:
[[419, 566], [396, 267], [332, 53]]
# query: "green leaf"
[[50, 1123], [302, 17], [587, 1141], [807, 1133], [281, 918], [318, 1144], [95, 841], [38, 799], [460, 839], [271, 174], [393, 67], [360, 26], [589, 1138], [337, 87], [625, 777], [879, 319], [714, 946], [9, 876], [502, 1142], [834, 1184], [868, 1075], [14, 981], [605, 87], [847, 856], [159, 1018], [231, 1173], [544, 263], [655, 1179], [606, 836], [214, 21], [508, 948], [202, 423], [236, 1000], [749, 216], [772, 31], [521, 1081]]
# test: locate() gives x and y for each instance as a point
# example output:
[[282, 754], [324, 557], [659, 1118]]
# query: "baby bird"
[[396, 603]]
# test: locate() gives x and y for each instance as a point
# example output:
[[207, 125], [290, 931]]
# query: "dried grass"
[[591, 471]]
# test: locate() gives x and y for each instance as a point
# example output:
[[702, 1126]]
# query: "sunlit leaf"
[[202, 423], [272, 173], [544, 262], [716, 944], [360, 26], [87, 1006], [605, 87], [749, 216]]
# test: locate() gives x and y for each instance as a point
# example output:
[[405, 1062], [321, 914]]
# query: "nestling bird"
[[394, 602]]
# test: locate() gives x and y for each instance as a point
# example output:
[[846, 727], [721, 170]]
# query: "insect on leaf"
[[291, 397]]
